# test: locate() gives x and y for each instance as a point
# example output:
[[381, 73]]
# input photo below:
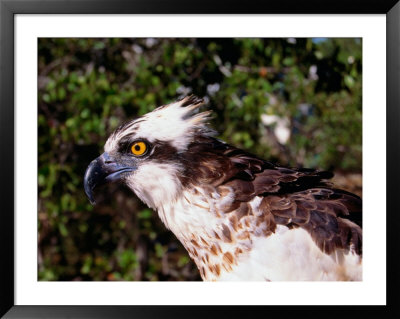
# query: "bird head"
[[145, 153]]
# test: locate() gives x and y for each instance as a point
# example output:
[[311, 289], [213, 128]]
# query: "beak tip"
[[89, 195], [89, 190], [92, 178]]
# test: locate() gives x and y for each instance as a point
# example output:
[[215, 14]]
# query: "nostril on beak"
[[107, 158]]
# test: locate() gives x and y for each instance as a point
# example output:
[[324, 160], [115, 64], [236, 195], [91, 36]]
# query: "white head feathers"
[[175, 123]]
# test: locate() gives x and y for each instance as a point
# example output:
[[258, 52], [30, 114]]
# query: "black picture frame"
[[8, 10]]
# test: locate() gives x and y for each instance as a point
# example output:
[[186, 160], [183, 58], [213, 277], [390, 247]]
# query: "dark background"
[[310, 88]]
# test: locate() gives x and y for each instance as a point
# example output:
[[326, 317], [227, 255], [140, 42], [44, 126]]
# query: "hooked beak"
[[101, 170]]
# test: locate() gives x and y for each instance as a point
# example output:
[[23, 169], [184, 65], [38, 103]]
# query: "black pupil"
[[137, 148]]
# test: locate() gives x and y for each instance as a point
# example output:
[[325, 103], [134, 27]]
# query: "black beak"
[[101, 170]]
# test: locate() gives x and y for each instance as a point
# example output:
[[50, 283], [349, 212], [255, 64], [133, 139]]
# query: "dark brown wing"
[[292, 197], [331, 216], [211, 161]]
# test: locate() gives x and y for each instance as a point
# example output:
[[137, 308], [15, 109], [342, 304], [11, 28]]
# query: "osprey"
[[238, 216]]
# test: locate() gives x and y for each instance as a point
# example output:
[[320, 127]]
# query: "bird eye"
[[138, 148]]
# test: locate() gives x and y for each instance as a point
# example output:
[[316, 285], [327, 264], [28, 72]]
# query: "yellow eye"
[[138, 148]]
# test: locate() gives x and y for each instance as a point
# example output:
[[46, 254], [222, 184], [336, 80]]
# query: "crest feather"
[[176, 123], [185, 108]]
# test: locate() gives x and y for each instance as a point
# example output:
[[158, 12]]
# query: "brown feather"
[[294, 197]]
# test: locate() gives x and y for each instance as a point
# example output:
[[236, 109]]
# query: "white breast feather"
[[288, 254], [291, 255]]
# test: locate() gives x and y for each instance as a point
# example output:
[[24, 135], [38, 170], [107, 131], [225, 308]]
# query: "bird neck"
[[208, 236]]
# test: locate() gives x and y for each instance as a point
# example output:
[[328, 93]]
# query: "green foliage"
[[88, 87]]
